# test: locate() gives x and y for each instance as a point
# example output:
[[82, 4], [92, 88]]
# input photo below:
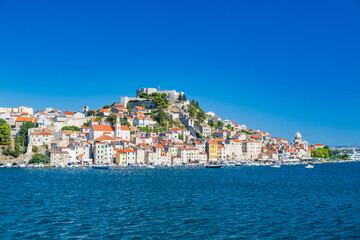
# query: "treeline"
[[160, 100], [326, 152], [196, 112], [21, 139], [70, 128], [182, 97]]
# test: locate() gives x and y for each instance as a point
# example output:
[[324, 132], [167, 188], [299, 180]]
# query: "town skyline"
[[289, 136]]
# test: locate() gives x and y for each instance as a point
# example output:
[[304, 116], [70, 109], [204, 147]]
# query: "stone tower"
[[117, 126]]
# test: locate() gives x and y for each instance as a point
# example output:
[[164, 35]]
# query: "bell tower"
[[117, 126]]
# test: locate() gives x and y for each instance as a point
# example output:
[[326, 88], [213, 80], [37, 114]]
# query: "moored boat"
[[213, 166], [309, 166], [101, 166], [275, 166]]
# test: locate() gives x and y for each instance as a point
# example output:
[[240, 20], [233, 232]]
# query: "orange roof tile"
[[103, 128], [105, 138], [68, 113], [25, 119]]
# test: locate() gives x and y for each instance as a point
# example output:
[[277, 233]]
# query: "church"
[[118, 131], [300, 147]]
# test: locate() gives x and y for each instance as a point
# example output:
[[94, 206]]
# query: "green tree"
[[35, 149], [154, 94], [111, 118], [220, 124], [198, 135], [184, 97], [192, 111], [90, 113], [39, 158], [5, 133], [229, 127], [124, 122], [181, 137], [2, 121], [99, 119], [197, 104], [8, 150], [21, 140], [180, 97], [107, 106], [160, 102], [201, 116], [320, 153], [211, 123], [87, 124], [17, 148], [144, 95], [245, 131], [70, 128]]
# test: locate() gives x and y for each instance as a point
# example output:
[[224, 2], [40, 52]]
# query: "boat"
[[101, 166], [275, 166], [309, 166], [355, 156], [213, 166], [22, 165]]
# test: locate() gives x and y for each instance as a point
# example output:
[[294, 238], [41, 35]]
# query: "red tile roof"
[[26, 119], [103, 128], [105, 138]]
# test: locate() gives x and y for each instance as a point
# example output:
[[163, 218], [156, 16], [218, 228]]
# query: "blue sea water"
[[290, 202]]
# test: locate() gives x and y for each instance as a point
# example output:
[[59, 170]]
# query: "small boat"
[[22, 165], [275, 165], [213, 166], [309, 166], [101, 166]]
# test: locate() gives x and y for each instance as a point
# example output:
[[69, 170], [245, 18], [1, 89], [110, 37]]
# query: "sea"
[[257, 202]]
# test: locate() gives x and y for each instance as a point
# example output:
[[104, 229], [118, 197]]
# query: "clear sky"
[[277, 66]]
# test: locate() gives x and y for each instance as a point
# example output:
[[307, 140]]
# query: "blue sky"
[[277, 66]]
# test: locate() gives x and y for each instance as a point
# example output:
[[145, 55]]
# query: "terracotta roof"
[[158, 146], [68, 113], [25, 119], [124, 127], [129, 150], [68, 132], [140, 108], [45, 133], [105, 138], [103, 128]]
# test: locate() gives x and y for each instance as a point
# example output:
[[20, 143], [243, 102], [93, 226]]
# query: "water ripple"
[[182, 203]]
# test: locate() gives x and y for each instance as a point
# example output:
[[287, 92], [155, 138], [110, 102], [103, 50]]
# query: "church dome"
[[297, 135]]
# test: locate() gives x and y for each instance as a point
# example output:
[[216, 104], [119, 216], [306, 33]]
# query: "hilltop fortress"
[[171, 94]]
